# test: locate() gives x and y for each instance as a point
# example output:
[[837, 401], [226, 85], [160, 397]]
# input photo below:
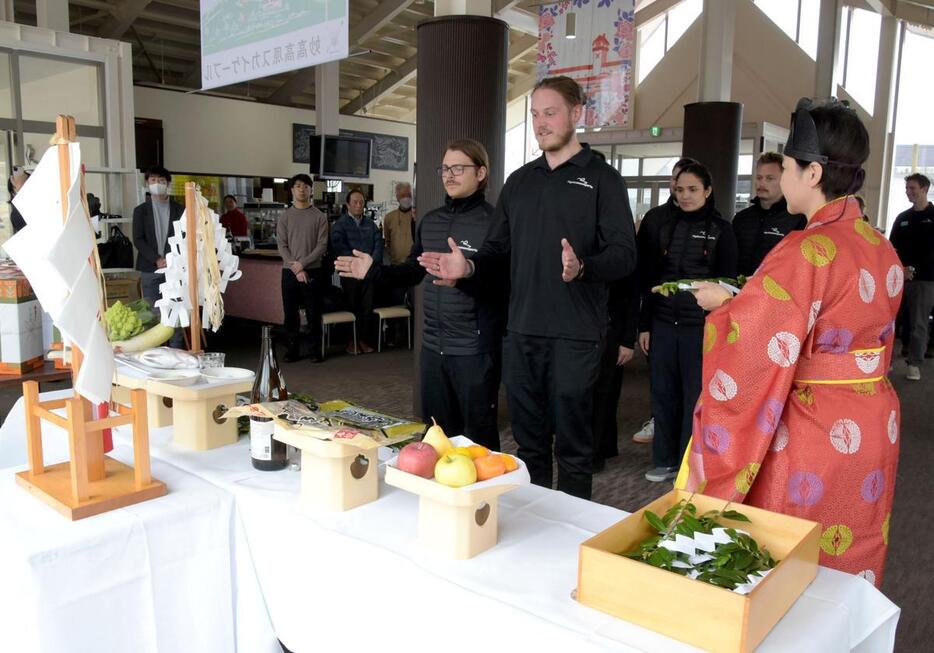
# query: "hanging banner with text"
[[247, 39], [592, 41]]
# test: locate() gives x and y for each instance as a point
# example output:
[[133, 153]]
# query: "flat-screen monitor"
[[340, 157]]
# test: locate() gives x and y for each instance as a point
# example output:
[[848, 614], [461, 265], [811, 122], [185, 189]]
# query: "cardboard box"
[[20, 323], [122, 285], [716, 619]]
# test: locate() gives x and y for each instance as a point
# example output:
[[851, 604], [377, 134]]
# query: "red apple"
[[418, 458]]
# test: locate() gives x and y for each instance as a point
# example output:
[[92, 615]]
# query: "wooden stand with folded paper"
[[90, 482]]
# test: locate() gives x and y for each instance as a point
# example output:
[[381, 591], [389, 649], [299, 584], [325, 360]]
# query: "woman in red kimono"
[[796, 414]]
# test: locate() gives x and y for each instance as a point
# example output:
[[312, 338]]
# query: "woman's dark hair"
[[844, 141], [9, 183], [231, 197], [158, 171], [700, 171]]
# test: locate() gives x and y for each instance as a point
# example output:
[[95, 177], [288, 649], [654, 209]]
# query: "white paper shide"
[[54, 255]]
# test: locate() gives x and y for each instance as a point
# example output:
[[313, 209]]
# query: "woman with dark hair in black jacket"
[[690, 242]]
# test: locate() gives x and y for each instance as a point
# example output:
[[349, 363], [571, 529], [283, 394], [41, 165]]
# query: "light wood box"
[[335, 476], [159, 409], [711, 617], [456, 523], [196, 409]]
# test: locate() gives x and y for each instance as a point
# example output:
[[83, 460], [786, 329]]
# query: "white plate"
[[226, 373], [177, 377]]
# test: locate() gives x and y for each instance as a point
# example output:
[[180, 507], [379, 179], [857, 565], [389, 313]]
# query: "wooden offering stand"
[[90, 482], [194, 410], [335, 476]]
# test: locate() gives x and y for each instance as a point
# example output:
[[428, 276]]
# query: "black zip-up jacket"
[[758, 230], [913, 239], [677, 245], [583, 200], [467, 319]]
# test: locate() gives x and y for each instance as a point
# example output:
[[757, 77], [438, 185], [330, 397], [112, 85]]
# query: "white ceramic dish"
[[176, 377], [226, 373]]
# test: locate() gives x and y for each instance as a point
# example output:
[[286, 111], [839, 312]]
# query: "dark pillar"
[[711, 135], [462, 65]]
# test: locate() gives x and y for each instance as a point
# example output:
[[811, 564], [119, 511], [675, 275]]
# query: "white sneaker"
[[646, 433], [914, 373]]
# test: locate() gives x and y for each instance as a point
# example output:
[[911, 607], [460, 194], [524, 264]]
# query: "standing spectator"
[[618, 350], [762, 225], [13, 184], [233, 219], [463, 323], [152, 225], [302, 237], [564, 225], [662, 212], [913, 238], [691, 242], [399, 226], [354, 231]]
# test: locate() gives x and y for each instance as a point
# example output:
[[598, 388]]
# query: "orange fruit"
[[477, 451], [489, 466], [511, 464]]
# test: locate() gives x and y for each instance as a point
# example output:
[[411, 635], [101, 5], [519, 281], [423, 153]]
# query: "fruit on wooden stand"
[[510, 462], [455, 470], [436, 438], [477, 451], [489, 466], [418, 458]]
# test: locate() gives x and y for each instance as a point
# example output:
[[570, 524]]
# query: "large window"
[[660, 34], [860, 31], [34, 89], [799, 19]]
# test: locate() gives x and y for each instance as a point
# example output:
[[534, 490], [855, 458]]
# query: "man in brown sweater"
[[399, 226], [302, 235]]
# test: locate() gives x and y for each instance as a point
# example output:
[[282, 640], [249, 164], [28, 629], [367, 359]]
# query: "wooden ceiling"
[[378, 79]]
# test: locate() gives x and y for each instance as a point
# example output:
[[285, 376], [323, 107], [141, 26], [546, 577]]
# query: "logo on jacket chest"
[[580, 181], [466, 246]]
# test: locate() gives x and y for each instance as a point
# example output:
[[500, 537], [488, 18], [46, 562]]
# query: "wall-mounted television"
[[340, 157]]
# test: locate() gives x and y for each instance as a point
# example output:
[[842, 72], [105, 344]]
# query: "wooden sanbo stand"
[[90, 482]]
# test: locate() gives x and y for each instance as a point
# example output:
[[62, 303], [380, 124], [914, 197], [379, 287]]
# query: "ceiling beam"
[[394, 79], [123, 17], [521, 87], [367, 27]]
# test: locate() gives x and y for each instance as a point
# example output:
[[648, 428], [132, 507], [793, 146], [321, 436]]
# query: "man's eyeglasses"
[[457, 169]]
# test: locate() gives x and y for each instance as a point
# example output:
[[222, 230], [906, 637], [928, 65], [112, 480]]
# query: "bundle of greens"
[[127, 320], [699, 547], [672, 287]]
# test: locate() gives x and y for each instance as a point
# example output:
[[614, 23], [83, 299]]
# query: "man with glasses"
[[461, 338], [564, 226]]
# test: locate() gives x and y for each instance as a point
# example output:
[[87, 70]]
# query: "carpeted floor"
[[384, 382]]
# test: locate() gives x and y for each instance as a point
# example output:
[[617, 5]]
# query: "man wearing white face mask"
[[152, 225], [399, 226]]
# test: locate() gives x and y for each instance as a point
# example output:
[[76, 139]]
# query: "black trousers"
[[549, 385], [297, 296], [462, 394], [360, 297], [675, 368], [606, 400]]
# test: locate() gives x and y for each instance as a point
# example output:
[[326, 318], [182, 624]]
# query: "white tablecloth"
[[335, 582]]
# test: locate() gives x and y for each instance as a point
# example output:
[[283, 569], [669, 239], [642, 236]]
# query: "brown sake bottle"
[[266, 453]]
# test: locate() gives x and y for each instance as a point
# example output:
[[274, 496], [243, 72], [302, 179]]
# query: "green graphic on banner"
[[232, 24]]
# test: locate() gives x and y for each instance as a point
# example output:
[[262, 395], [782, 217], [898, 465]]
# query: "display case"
[[263, 218]]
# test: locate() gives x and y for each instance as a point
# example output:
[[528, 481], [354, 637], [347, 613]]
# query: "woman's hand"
[[710, 296]]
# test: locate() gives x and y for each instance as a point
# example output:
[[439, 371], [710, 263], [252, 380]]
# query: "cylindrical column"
[[711, 135], [462, 65]]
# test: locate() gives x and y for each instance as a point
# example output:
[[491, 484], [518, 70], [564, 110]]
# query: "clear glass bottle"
[[267, 453]]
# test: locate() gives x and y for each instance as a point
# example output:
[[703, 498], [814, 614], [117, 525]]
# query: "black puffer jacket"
[[679, 245], [466, 319], [758, 230]]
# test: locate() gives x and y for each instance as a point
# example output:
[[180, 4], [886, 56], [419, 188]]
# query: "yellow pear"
[[436, 438]]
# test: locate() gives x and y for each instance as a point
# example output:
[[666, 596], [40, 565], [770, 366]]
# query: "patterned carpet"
[[384, 382]]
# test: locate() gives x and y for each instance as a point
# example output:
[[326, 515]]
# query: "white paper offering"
[[54, 257]]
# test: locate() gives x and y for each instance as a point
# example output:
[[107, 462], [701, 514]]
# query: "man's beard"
[[563, 139]]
